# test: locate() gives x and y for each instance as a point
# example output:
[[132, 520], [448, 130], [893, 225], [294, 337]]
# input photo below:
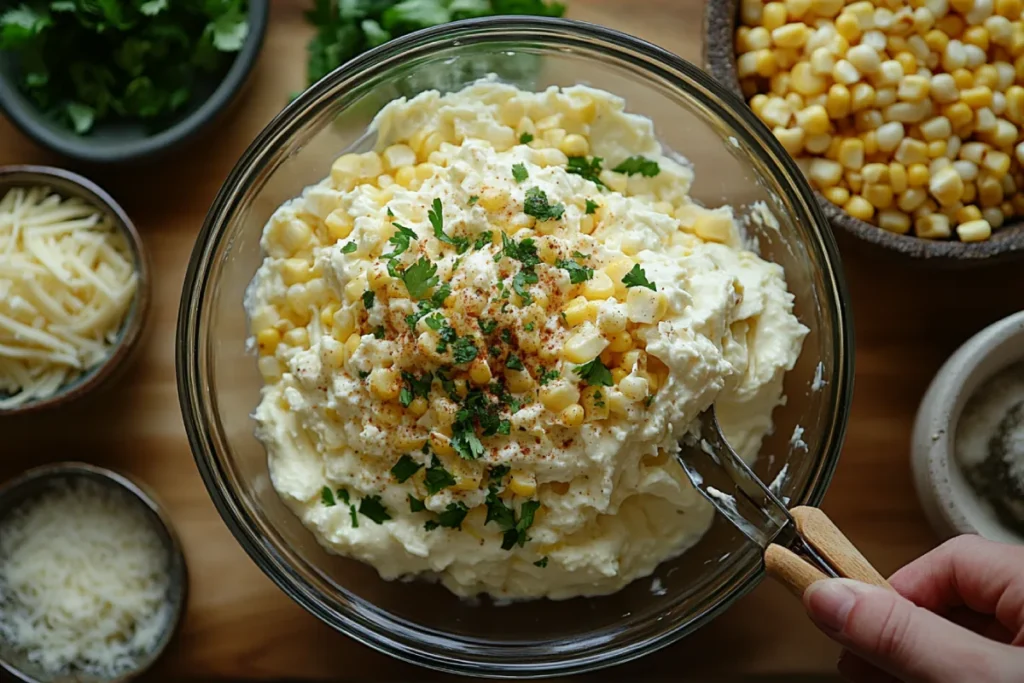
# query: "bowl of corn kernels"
[[907, 116]]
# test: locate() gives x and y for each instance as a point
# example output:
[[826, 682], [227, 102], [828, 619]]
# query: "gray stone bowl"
[[132, 141], [1006, 243]]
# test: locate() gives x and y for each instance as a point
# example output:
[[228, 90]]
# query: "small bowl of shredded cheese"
[[73, 287], [92, 577]]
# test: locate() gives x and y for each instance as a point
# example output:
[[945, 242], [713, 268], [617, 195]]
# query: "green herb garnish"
[[519, 172], [453, 515], [589, 170], [577, 273], [378, 332], [473, 200], [487, 326], [525, 139], [538, 206], [436, 216], [595, 373], [638, 165], [348, 247], [368, 298], [420, 278], [542, 562], [327, 496], [513, 363], [437, 477], [638, 278], [483, 239], [549, 376], [400, 241], [371, 507], [591, 207], [498, 472], [415, 504], [464, 350], [528, 327]]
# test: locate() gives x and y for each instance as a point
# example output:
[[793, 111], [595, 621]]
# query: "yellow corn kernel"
[[296, 271], [327, 315], [524, 483], [837, 195], [875, 173], [418, 406], [946, 186], [518, 381], [384, 383], [838, 101], [586, 344], [349, 169], [466, 479], [398, 156], [805, 82], [559, 395], [974, 231], [480, 372], [880, 196], [574, 145], [406, 176], [970, 193], [996, 162], [339, 224], [792, 139], [441, 445], [851, 153], [932, 226], [714, 226], [595, 403], [976, 98], [297, 337], [1015, 104], [598, 287], [621, 342], [897, 177], [990, 193], [958, 113], [354, 289], [572, 416], [813, 119], [267, 341], [870, 140], [859, 207], [579, 311], [824, 173], [967, 214], [644, 306], [936, 149], [917, 175], [269, 368], [894, 221]]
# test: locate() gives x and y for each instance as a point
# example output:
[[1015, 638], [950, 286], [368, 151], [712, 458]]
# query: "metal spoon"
[[800, 546]]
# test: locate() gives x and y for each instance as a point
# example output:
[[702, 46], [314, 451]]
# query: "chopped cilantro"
[[415, 504], [378, 332], [363, 374], [348, 247], [538, 206], [638, 164], [436, 216], [520, 173], [464, 350], [400, 240], [589, 170], [504, 428], [498, 512], [453, 515], [513, 363], [435, 321], [638, 278], [343, 496], [405, 468], [595, 373], [498, 472], [431, 524], [526, 514], [598, 399], [420, 278], [549, 376], [591, 206], [542, 562], [368, 297], [448, 336], [580, 255], [483, 239], [648, 401], [327, 496], [487, 326], [440, 294], [524, 278], [577, 273], [506, 335], [528, 327], [465, 441], [371, 507], [405, 397], [525, 139], [525, 252], [495, 351], [473, 200], [354, 516], [437, 477], [416, 386]]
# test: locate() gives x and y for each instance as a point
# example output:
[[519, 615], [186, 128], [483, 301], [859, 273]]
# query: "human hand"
[[957, 616]]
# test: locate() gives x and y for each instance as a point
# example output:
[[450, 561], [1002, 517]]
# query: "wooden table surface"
[[239, 625]]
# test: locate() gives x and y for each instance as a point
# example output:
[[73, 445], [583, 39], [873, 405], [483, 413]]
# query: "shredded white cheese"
[[84, 580], [67, 278]]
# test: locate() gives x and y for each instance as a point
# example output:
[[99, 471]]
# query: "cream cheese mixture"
[[482, 341]]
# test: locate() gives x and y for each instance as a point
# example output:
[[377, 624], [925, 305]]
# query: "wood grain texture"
[[790, 570], [825, 537], [240, 626]]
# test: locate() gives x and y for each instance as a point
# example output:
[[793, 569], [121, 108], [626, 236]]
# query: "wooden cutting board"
[[240, 626]]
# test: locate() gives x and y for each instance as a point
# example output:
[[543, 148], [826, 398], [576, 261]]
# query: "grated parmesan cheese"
[[67, 278], [84, 580]]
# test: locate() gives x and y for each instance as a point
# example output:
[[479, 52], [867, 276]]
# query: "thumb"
[[902, 639]]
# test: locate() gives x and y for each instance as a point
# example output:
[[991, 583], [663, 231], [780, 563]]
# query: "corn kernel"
[[418, 406], [996, 162], [480, 372], [932, 226], [339, 224], [644, 306], [859, 207], [974, 231], [814, 120], [714, 226], [572, 416], [600, 286], [837, 195], [587, 344], [851, 153], [384, 383], [441, 445], [267, 341], [574, 145], [525, 483], [792, 139], [595, 403], [621, 342], [559, 395], [976, 98], [579, 311], [894, 221], [838, 101], [880, 196]]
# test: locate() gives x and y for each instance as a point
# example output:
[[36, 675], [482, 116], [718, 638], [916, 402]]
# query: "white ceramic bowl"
[[950, 503]]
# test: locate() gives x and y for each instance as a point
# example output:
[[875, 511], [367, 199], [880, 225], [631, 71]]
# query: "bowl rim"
[[719, 33], [144, 495], [365, 626], [138, 311], [29, 120]]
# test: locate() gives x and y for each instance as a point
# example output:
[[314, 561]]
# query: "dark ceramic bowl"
[[69, 184], [1006, 243], [38, 481], [123, 141]]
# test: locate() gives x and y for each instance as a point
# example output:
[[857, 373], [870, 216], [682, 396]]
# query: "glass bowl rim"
[[413, 645]]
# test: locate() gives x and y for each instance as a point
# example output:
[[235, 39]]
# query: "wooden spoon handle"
[[824, 536]]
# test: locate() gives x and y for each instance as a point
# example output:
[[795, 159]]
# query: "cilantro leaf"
[[400, 240], [230, 31], [440, 294], [522, 279], [538, 206], [595, 373], [417, 386], [435, 321], [591, 206], [577, 273], [378, 332], [368, 297], [498, 472], [498, 512], [519, 172], [343, 496], [638, 278], [453, 515], [473, 199], [437, 477], [638, 164], [589, 170], [483, 239], [513, 363], [371, 507], [465, 441], [487, 326], [420, 278], [349, 247], [353, 516], [405, 468], [415, 504], [549, 376], [464, 351], [504, 427], [525, 139], [542, 562], [327, 497], [436, 216]]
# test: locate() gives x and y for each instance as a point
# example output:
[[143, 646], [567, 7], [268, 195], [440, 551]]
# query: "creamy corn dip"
[[482, 341]]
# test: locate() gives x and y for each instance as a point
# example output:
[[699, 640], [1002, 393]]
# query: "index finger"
[[985, 576]]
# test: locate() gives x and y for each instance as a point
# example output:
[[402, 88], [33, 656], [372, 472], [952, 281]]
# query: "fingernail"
[[829, 603]]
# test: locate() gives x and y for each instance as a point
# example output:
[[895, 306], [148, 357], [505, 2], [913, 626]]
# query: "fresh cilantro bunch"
[[86, 61], [346, 28]]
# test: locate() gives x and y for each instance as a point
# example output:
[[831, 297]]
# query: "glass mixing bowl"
[[737, 162]]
